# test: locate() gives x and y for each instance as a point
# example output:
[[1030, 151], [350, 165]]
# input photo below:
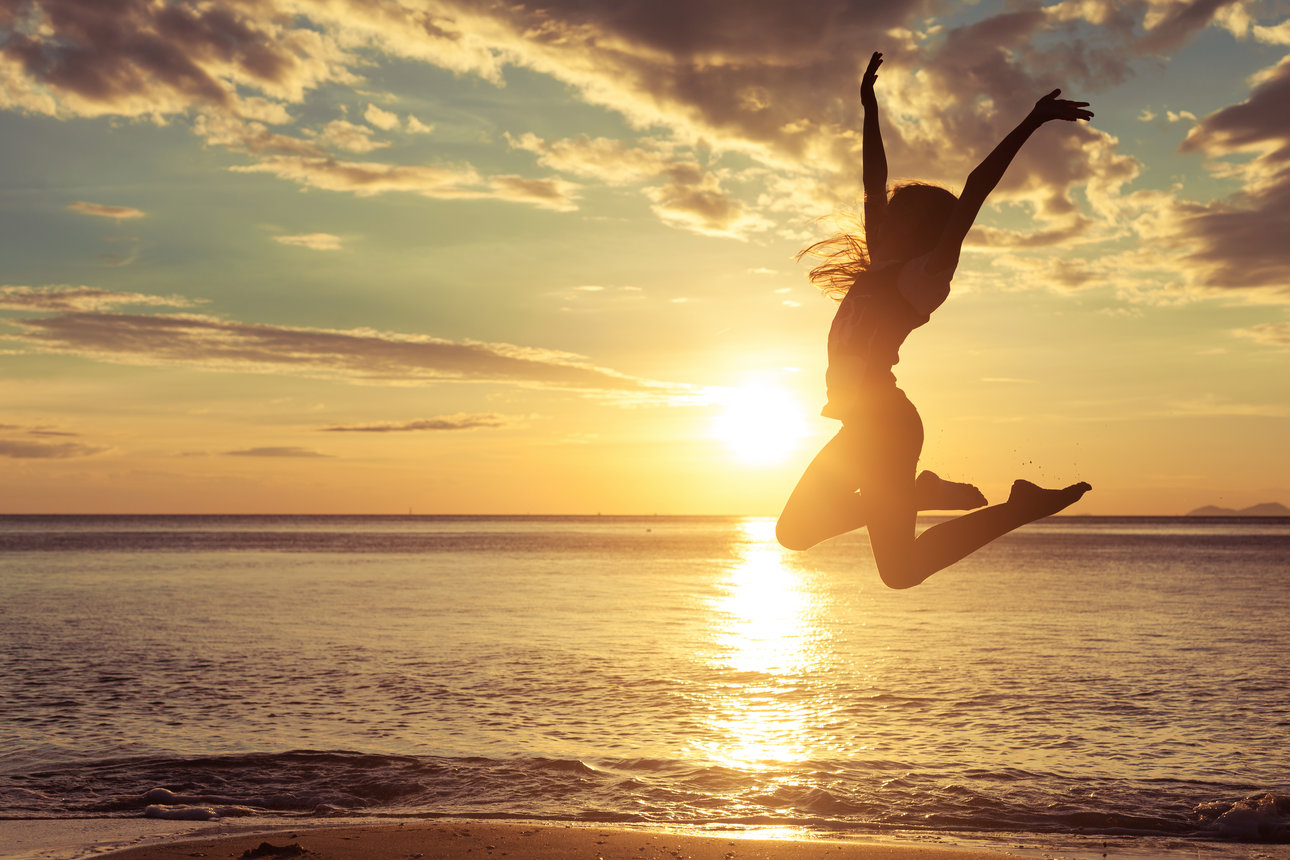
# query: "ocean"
[[1081, 682]]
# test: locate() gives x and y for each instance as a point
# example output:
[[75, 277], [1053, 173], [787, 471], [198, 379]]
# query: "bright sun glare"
[[760, 423]]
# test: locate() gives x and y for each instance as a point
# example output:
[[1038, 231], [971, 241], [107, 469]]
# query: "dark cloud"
[[28, 450], [276, 451], [1180, 24], [107, 52], [773, 80], [36, 431], [1241, 240], [460, 421], [140, 57], [359, 355]]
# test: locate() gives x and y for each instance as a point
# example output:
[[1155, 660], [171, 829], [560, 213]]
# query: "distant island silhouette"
[[1267, 509]]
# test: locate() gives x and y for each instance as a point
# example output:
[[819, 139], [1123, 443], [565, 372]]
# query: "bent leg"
[[824, 503], [879, 450], [904, 563]]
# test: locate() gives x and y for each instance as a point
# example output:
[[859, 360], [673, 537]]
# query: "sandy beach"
[[424, 840]]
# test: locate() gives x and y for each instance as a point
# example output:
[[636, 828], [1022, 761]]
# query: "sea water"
[[1113, 679]]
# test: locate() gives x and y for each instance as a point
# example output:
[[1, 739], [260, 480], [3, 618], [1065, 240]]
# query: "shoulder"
[[920, 269], [922, 286]]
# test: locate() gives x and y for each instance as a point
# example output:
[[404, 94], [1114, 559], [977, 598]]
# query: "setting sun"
[[760, 423]]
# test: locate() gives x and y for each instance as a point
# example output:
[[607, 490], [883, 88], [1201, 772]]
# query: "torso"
[[871, 323]]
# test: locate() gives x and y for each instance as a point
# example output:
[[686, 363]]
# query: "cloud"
[[239, 134], [313, 241], [367, 178], [696, 202], [355, 355], [1172, 24], [554, 194], [460, 421], [67, 298], [1240, 241], [446, 183], [36, 431], [144, 58], [104, 211], [383, 119], [690, 197], [276, 451], [27, 450], [605, 159], [712, 83], [1269, 334], [345, 135], [1062, 235]]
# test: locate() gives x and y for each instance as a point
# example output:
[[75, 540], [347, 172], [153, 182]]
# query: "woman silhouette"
[[891, 281]]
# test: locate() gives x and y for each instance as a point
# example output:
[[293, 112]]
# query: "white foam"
[[70, 838], [1257, 818], [181, 813], [77, 838]]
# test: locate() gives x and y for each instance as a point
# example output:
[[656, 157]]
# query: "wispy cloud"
[[366, 178], [67, 298], [20, 449], [1268, 334], [356, 355], [313, 241], [276, 451], [342, 134], [460, 421], [104, 211]]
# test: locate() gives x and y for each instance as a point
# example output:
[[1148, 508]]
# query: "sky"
[[456, 256]]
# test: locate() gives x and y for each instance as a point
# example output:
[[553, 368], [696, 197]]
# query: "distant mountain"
[[1267, 509]]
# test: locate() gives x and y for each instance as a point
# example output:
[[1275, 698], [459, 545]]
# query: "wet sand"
[[426, 840]]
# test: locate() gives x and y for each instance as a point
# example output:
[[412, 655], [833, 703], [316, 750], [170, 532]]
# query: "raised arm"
[[986, 176], [873, 156]]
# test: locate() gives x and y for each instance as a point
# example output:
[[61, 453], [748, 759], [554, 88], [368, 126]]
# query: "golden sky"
[[452, 256]]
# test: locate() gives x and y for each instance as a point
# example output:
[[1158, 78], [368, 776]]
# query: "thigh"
[[893, 438], [869, 453], [886, 479]]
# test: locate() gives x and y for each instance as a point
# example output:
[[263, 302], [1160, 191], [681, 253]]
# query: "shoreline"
[[535, 839], [530, 840]]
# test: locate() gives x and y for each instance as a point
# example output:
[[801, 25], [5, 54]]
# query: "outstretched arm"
[[982, 180], [873, 156]]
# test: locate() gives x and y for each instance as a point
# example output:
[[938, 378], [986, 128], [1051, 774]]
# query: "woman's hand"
[[1050, 107], [870, 75]]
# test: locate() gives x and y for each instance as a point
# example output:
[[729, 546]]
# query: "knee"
[[899, 575], [793, 537]]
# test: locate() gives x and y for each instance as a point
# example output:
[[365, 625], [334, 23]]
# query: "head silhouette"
[[916, 215]]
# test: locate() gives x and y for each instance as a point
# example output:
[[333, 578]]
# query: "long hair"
[[916, 215]]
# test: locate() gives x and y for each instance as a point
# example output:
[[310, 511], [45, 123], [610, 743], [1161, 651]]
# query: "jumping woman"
[[891, 281]]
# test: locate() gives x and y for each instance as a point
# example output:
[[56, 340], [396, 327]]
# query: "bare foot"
[[934, 493], [1036, 503]]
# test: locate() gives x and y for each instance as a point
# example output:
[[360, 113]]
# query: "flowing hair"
[[844, 256]]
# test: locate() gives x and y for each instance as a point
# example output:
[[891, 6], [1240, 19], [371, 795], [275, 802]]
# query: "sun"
[[760, 423]]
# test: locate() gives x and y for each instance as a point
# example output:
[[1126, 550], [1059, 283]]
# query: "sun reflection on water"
[[765, 638]]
